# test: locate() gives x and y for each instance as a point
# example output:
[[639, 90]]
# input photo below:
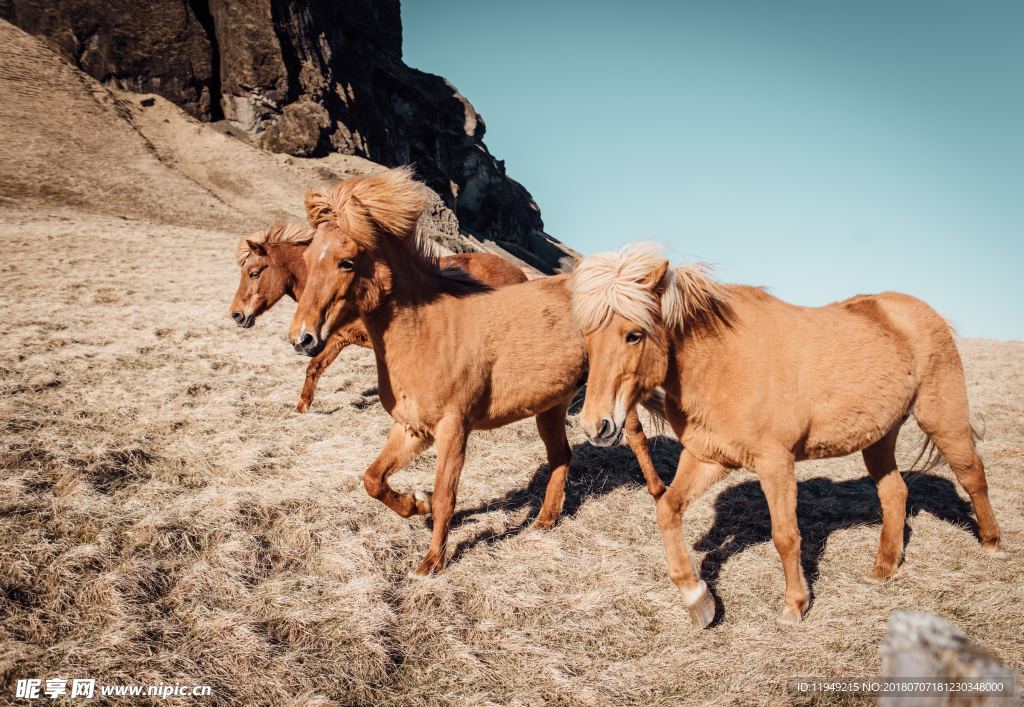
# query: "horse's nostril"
[[238, 317], [606, 428], [308, 341]]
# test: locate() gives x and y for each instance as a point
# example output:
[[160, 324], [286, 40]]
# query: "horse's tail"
[[977, 436], [929, 453], [655, 405]]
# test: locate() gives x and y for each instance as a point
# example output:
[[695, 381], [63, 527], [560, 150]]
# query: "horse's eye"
[[345, 264], [255, 274], [634, 337]]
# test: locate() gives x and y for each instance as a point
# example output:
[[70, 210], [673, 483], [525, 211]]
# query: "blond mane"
[[619, 283], [386, 203], [298, 233]]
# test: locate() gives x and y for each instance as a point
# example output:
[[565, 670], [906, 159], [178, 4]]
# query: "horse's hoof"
[[880, 575], [790, 616], [422, 502], [426, 569], [994, 549], [302, 406], [700, 604], [545, 523]]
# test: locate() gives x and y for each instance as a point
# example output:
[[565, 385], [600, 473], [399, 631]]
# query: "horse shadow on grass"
[[741, 520], [824, 506], [595, 472]]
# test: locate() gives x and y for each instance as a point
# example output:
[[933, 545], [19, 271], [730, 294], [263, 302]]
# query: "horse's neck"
[[692, 354], [399, 312], [290, 257]]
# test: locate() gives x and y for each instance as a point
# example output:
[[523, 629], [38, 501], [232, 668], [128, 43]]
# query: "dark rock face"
[[153, 47], [305, 77]]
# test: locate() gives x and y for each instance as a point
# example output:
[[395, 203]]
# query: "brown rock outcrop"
[[303, 77]]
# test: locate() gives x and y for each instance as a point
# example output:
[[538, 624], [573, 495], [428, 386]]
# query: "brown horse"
[[272, 266], [754, 382], [452, 356]]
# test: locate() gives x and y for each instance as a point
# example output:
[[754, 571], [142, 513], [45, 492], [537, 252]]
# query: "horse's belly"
[[854, 428]]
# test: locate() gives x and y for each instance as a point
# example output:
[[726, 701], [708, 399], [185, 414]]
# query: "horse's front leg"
[[353, 333], [693, 478], [637, 441], [778, 481], [401, 447], [450, 435]]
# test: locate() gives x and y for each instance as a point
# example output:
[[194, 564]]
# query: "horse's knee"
[[974, 483], [374, 486], [893, 489], [669, 511], [786, 541]]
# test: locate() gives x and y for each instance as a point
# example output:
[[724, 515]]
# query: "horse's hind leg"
[[401, 447], [637, 441], [958, 450], [942, 413], [551, 426], [451, 438], [880, 459]]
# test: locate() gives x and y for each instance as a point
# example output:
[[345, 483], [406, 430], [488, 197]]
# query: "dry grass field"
[[166, 517]]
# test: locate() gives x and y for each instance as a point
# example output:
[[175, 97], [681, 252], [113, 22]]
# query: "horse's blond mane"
[[298, 233], [387, 203], [618, 283]]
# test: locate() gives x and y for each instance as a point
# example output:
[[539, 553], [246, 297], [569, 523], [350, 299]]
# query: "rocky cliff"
[[302, 77]]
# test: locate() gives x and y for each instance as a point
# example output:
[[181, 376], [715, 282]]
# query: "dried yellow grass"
[[165, 516]]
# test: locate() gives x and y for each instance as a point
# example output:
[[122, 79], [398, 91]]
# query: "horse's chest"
[[400, 400]]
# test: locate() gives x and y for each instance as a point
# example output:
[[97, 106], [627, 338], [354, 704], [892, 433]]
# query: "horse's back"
[[830, 380], [920, 331], [488, 268]]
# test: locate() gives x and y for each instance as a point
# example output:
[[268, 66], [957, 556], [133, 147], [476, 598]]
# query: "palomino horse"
[[754, 382], [452, 356], [272, 266]]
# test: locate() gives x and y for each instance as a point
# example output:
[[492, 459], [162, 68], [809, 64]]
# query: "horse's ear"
[[257, 248], [655, 279]]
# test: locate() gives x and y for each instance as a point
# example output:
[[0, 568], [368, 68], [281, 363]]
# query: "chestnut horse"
[[452, 356], [272, 266], [751, 381]]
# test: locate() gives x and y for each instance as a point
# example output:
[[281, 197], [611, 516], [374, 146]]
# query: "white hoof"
[[700, 604], [422, 502], [790, 617], [995, 551]]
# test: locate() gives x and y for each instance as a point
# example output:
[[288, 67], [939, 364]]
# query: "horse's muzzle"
[[243, 320], [608, 434], [309, 345]]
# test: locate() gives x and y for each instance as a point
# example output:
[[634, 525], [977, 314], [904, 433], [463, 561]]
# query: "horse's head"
[[629, 305], [359, 223], [615, 300], [266, 275]]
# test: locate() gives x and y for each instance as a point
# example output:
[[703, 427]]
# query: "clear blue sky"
[[819, 148]]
